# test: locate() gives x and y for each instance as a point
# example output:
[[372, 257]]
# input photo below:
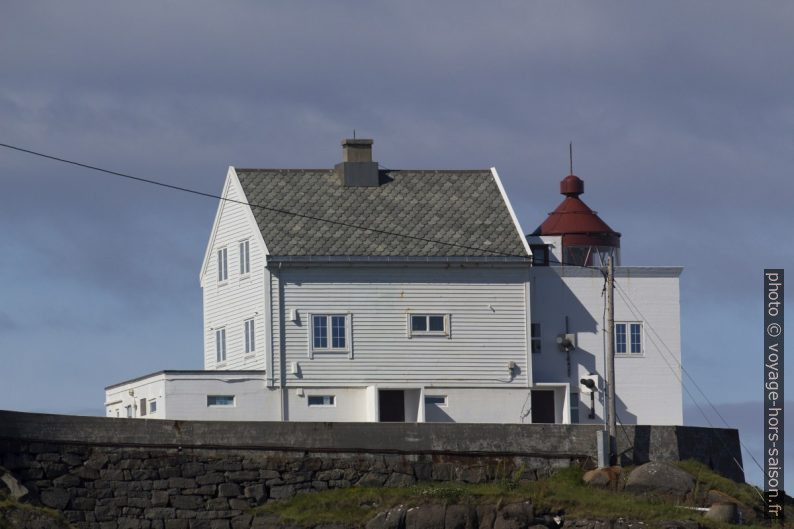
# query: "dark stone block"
[[56, 498], [256, 492], [228, 490], [187, 502]]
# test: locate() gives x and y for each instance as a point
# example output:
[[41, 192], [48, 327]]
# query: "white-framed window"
[[329, 333], [245, 262], [321, 401], [223, 265], [152, 406], [248, 330], [628, 338], [574, 408], [220, 400], [534, 334], [436, 400], [143, 407], [220, 345], [129, 411], [428, 325]]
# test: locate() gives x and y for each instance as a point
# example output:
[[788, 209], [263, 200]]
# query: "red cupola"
[[586, 239]]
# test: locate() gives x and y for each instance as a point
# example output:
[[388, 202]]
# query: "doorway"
[[391, 405], [543, 406]]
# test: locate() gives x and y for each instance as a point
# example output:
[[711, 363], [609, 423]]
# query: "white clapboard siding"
[[240, 297], [648, 386], [487, 319]]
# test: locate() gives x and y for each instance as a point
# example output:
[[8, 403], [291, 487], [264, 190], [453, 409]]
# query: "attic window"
[[223, 268]]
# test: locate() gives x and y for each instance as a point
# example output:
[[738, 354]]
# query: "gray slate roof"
[[460, 207]]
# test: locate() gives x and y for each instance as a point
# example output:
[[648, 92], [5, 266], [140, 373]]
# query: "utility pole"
[[610, 330]]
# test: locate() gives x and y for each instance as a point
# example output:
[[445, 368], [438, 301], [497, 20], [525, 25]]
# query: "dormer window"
[[223, 268]]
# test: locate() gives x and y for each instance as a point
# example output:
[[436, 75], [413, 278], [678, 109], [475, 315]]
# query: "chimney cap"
[[356, 141]]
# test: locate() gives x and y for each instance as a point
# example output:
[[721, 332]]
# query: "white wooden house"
[[363, 294]]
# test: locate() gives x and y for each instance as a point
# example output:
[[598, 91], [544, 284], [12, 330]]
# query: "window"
[[574, 408], [152, 406], [220, 345], [250, 345], [129, 411], [223, 269], [245, 265], [540, 255], [330, 332], [428, 325], [628, 338], [143, 407], [534, 333], [436, 400], [220, 400], [322, 400]]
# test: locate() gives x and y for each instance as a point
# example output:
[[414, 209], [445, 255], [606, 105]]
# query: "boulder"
[[515, 516], [425, 517], [723, 512], [659, 477], [461, 517], [603, 477], [394, 518]]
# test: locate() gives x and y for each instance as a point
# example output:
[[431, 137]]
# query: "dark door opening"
[[391, 405], [542, 406]]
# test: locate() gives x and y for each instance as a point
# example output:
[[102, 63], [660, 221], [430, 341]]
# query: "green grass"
[[563, 492]]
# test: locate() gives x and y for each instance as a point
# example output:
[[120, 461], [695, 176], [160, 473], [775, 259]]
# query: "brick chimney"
[[357, 168]]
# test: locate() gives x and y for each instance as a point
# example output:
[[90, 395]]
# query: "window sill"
[[220, 365], [330, 351], [249, 356], [245, 277], [428, 335], [629, 355], [223, 283]]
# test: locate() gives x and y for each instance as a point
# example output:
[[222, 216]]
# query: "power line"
[[257, 206]]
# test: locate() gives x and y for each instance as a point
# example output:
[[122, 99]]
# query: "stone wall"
[[151, 474]]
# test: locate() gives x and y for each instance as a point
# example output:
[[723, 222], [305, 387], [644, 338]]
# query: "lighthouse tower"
[[576, 233]]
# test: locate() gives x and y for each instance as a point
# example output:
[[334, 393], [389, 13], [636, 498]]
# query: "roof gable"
[[412, 213]]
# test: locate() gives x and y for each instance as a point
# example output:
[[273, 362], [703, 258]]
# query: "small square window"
[[436, 400], [220, 400], [540, 255], [428, 325], [322, 400]]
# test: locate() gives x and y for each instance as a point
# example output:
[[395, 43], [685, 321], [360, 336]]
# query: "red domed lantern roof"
[[575, 221]]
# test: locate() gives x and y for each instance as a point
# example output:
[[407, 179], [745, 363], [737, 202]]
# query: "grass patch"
[[706, 479], [563, 492]]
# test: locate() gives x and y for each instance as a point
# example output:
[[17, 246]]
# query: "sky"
[[680, 114]]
